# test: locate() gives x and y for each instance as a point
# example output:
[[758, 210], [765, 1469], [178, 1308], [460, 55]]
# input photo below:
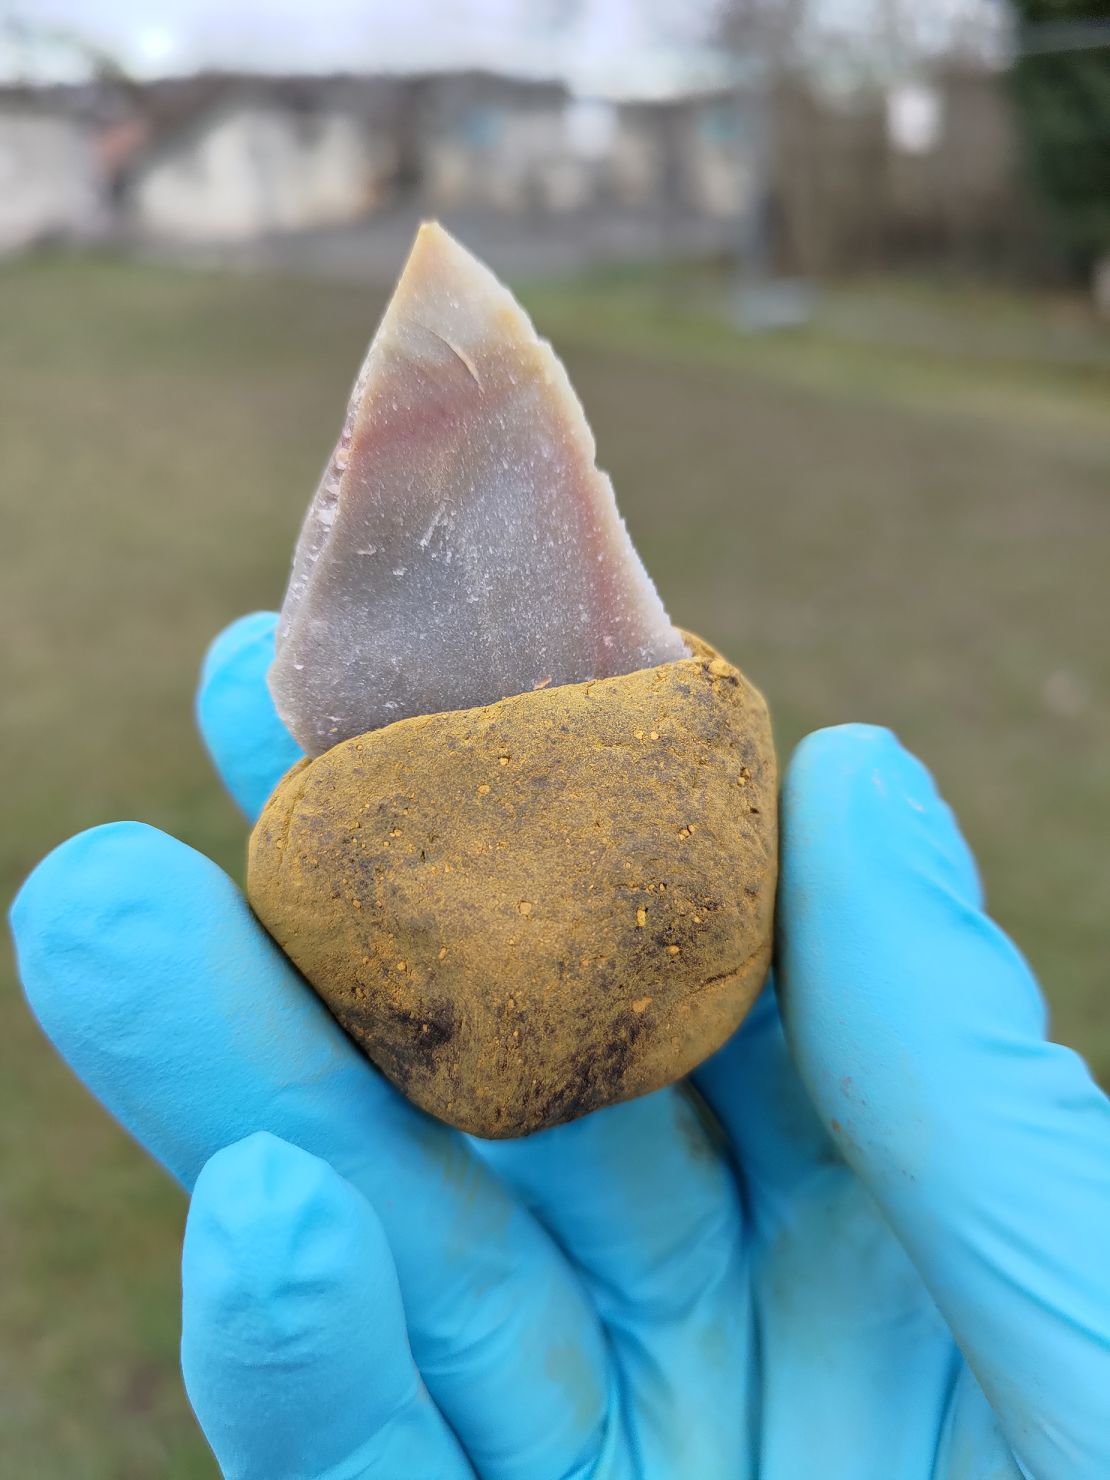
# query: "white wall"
[[718, 177], [507, 158], [49, 183], [254, 170]]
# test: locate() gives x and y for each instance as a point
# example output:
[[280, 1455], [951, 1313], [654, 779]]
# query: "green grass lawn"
[[879, 523]]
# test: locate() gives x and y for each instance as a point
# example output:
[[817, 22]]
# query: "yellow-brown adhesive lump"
[[527, 911]]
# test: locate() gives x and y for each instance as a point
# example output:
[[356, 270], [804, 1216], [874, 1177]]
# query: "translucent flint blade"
[[462, 545]]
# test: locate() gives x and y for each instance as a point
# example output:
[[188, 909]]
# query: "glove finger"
[[643, 1199], [777, 1139], [293, 1342], [250, 747], [149, 973], [918, 1031], [846, 1328]]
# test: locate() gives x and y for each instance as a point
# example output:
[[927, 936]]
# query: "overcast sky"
[[633, 44]]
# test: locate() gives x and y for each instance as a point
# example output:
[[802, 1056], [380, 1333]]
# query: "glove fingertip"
[[294, 1347], [252, 634], [86, 921], [271, 1230], [853, 790], [236, 716], [73, 897]]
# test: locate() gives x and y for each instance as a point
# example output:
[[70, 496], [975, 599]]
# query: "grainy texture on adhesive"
[[529, 910]]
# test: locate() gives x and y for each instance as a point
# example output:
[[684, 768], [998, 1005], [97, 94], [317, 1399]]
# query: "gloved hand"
[[890, 1259]]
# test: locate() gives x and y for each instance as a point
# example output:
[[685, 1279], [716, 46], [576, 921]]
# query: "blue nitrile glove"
[[895, 1262]]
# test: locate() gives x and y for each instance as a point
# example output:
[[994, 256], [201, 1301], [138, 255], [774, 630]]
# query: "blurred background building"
[[776, 129]]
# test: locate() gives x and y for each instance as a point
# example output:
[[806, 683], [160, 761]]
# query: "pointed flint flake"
[[462, 545]]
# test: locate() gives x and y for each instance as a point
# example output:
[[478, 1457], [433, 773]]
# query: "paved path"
[[524, 246]]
